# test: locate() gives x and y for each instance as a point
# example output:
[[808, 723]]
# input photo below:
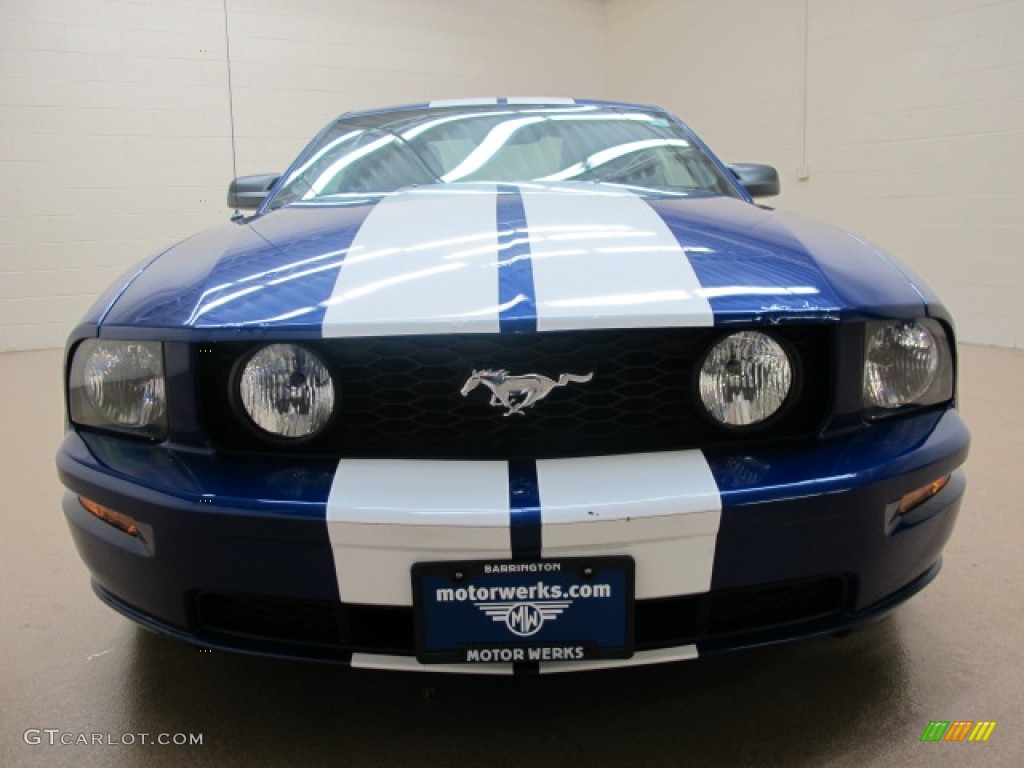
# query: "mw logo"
[[525, 619], [958, 730]]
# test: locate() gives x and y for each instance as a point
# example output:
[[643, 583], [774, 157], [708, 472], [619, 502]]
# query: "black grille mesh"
[[659, 623], [400, 396]]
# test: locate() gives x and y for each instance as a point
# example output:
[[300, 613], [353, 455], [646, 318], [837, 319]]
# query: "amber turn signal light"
[[916, 498], [110, 516]]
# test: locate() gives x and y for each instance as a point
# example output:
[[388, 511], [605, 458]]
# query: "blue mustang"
[[508, 385]]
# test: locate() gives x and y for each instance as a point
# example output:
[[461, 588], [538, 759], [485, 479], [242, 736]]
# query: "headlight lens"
[[287, 391], [745, 379], [119, 385], [906, 362]]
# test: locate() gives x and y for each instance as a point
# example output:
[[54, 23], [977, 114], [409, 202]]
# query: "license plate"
[[563, 609]]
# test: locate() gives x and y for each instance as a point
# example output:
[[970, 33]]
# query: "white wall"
[[914, 122], [114, 113]]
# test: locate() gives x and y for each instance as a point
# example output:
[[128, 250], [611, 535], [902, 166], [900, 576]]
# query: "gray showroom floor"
[[952, 653]]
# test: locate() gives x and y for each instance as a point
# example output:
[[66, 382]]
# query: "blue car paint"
[[819, 270], [516, 294], [290, 258], [256, 525]]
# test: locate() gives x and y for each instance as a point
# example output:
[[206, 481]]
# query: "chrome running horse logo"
[[518, 392]]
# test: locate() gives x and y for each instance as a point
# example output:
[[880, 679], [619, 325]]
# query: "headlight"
[[119, 385], [287, 391], [745, 378], [906, 362]]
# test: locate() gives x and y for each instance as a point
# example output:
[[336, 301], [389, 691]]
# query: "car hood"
[[478, 258]]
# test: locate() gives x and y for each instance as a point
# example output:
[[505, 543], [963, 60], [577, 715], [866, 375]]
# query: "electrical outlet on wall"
[[803, 172]]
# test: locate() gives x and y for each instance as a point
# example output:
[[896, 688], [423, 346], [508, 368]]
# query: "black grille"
[[682, 620], [400, 396], [308, 622], [660, 623]]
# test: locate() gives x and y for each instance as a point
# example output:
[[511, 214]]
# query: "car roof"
[[502, 101]]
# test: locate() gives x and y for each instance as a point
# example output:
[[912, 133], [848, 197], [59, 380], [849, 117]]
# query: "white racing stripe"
[[603, 258], [638, 659], [410, 664], [471, 102], [512, 100], [554, 100], [664, 509], [424, 261], [385, 515]]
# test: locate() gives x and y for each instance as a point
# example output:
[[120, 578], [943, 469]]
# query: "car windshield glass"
[[381, 152]]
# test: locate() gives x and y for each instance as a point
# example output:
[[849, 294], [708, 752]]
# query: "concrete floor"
[[953, 652]]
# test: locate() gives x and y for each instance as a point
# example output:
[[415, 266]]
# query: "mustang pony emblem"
[[518, 392]]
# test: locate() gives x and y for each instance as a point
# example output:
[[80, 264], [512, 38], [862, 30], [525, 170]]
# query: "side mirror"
[[758, 180], [249, 192]]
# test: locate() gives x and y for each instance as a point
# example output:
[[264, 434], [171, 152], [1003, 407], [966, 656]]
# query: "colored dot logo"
[[958, 730]]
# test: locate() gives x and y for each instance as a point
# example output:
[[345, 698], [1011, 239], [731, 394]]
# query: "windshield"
[[382, 152]]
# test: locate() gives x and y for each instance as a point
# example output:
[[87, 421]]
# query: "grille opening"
[[307, 622], [399, 396], [718, 614], [385, 629]]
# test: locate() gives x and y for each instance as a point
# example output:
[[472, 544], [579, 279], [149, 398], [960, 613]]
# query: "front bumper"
[[302, 561]]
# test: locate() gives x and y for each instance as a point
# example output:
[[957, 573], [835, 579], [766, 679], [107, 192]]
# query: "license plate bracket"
[[555, 609]]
